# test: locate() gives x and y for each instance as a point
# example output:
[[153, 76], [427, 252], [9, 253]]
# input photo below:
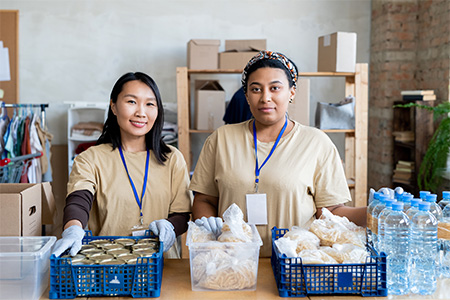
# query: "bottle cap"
[[446, 194], [397, 206], [383, 197], [424, 206], [431, 198], [423, 194], [407, 197], [389, 203], [376, 195], [415, 202]]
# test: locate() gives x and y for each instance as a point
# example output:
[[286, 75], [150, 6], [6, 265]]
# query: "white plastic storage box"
[[218, 266], [24, 266]]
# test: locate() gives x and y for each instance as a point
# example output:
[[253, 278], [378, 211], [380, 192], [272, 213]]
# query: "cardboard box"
[[298, 110], [209, 105], [203, 54], [337, 52], [239, 52], [24, 207], [245, 45], [235, 60], [20, 209]]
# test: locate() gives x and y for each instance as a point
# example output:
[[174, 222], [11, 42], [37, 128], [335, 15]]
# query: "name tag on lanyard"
[[256, 209]]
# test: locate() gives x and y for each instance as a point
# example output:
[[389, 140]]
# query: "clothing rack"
[[29, 105]]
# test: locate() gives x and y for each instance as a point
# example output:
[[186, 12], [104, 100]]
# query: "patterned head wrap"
[[262, 55]]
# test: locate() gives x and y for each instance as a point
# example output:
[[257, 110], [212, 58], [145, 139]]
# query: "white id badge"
[[256, 209]]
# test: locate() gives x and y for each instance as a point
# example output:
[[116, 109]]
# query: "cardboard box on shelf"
[[203, 54], [299, 108], [24, 207], [239, 52], [209, 105], [245, 45], [337, 52]]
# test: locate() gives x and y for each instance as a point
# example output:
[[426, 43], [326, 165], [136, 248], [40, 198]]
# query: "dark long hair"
[[153, 139]]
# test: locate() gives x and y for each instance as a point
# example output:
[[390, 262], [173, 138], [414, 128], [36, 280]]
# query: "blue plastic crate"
[[140, 280], [297, 280]]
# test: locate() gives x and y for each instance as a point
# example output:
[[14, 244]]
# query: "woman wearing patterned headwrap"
[[279, 172]]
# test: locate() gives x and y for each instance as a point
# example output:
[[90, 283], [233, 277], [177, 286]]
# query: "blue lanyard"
[[139, 202], [255, 142]]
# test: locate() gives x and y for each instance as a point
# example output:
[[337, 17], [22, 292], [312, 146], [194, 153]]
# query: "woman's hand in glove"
[[165, 231], [213, 224], [71, 239]]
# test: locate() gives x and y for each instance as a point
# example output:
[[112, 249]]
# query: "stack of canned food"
[[114, 252]]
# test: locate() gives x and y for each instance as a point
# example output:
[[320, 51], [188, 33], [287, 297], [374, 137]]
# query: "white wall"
[[75, 50]]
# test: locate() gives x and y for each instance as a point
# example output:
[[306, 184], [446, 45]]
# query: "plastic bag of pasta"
[[199, 234], [332, 229], [305, 239], [234, 227]]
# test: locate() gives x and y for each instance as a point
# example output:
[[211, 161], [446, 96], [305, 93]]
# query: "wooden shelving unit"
[[355, 140], [420, 122]]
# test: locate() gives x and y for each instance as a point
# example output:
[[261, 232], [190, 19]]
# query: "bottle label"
[[375, 225], [444, 231], [369, 221]]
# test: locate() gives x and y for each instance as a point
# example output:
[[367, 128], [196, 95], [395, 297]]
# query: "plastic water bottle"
[[381, 218], [444, 236], [376, 211], [423, 195], [445, 199], [414, 207], [396, 238], [406, 199], [435, 209], [423, 241], [375, 201]]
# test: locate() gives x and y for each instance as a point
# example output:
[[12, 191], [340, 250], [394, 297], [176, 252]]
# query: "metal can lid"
[[144, 252], [75, 258], [148, 240], [111, 247], [102, 258], [99, 242], [112, 262], [87, 246], [84, 262], [118, 252], [129, 258], [125, 241], [91, 252], [142, 246]]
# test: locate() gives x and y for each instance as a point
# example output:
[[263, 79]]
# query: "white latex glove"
[[165, 231], [213, 224], [71, 238]]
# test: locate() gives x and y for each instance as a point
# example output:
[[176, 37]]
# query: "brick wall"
[[410, 49]]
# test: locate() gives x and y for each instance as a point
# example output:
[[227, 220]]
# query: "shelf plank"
[[339, 130], [200, 131], [301, 74]]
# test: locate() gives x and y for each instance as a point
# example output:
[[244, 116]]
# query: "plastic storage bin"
[[140, 280], [24, 266], [217, 266], [297, 280]]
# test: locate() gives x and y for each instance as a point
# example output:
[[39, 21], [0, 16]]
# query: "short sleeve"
[[203, 180], [330, 183], [181, 201], [82, 176]]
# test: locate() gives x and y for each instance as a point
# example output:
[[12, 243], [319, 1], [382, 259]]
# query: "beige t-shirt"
[[114, 211], [304, 172]]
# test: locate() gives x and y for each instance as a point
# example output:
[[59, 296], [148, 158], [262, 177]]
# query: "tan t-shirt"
[[115, 210], [304, 172]]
